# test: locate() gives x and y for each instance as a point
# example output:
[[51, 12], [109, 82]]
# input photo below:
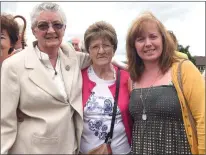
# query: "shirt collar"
[[44, 56]]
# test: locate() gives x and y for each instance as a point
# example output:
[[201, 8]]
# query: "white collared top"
[[57, 79]]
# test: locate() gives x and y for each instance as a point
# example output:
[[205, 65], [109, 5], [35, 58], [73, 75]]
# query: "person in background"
[[44, 82], [75, 42], [158, 108], [9, 35], [174, 38], [82, 47], [99, 84]]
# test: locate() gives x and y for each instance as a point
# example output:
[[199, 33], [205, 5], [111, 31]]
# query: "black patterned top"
[[163, 131]]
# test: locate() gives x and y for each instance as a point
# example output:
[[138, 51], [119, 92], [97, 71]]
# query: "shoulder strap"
[[191, 118], [110, 134]]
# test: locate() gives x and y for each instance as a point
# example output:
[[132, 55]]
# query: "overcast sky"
[[185, 19]]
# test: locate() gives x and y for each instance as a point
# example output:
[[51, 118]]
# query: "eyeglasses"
[[44, 26], [105, 47]]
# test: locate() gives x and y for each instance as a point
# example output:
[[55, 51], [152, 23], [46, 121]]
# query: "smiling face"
[[148, 43], [101, 51], [5, 45], [51, 37]]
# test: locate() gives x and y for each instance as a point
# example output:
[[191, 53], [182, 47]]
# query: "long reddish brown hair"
[[135, 63]]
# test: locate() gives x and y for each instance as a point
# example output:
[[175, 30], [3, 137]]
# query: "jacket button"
[[67, 67], [190, 136]]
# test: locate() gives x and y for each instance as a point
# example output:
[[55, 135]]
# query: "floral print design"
[[92, 105], [99, 128]]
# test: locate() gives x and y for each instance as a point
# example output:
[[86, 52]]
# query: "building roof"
[[200, 60]]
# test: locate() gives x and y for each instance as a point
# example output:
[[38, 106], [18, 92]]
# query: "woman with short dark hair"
[[99, 88], [9, 35]]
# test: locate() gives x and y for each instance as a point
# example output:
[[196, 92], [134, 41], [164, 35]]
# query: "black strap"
[[110, 134]]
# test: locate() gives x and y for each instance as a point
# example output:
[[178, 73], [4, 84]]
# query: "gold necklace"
[[143, 100]]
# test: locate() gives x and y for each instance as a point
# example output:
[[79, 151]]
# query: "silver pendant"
[[144, 117], [140, 96]]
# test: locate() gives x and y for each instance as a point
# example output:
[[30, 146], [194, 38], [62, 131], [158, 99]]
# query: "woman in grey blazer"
[[44, 82]]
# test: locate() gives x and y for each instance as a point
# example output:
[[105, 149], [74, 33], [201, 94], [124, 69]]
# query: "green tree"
[[186, 51]]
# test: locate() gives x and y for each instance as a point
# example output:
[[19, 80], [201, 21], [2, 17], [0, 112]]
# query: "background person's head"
[[177, 53], [100, 41], [76, 44], [9, 35], [48, 25], [82, 47], [174, 38], [148, 42]]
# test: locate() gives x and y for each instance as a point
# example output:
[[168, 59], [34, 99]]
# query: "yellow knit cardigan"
[[194, 91]]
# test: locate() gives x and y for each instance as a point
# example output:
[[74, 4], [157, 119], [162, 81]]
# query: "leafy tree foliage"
[[186, 51]]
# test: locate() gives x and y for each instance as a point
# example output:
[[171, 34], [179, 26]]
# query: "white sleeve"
[[10, 92]]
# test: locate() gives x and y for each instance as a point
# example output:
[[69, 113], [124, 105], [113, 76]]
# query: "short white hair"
[[47, 6]]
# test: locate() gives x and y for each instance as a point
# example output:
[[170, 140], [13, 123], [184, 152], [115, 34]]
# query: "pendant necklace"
[[143, 100], [144, 115]]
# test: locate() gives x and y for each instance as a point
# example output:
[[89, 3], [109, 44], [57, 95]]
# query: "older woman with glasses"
[[44, 82], [99, 85]]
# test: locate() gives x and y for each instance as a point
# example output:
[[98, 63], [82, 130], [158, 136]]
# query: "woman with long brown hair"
[[167, 119]]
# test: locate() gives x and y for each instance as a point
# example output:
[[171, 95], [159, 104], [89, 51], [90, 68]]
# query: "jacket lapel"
[[39, 76], [68, 70]]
